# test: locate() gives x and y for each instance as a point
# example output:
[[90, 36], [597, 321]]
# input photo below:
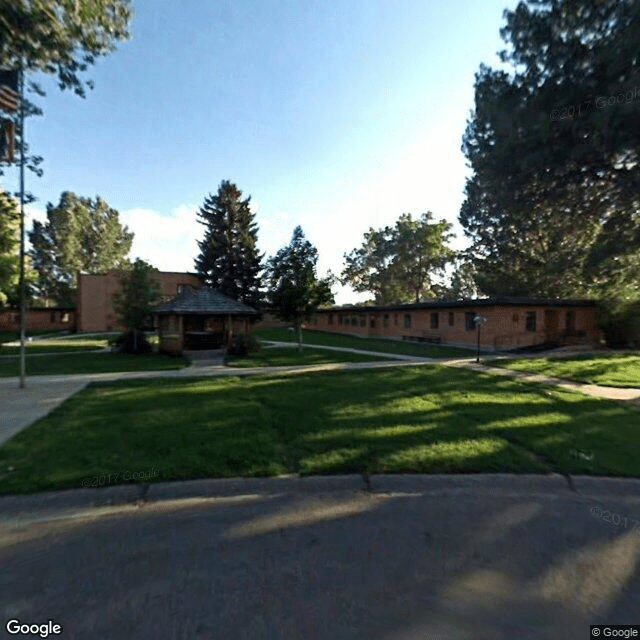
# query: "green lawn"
[[614, 370], [56, 364], [416, 419], [291, 356], [381, 345], [71, 343]]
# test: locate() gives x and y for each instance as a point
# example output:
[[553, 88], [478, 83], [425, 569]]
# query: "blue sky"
[[337, 116]]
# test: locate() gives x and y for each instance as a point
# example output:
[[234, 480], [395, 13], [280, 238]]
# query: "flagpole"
[[23, 304]]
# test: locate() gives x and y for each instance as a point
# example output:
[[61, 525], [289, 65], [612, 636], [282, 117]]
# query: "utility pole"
[[23, 301]]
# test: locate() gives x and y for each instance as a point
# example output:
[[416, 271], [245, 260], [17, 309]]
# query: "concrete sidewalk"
[[610, 393]]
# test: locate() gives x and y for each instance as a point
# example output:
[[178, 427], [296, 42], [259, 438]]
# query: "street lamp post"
[[479, 320]]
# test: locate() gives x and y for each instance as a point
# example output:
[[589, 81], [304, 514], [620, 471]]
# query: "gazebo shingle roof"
[[204, 301]]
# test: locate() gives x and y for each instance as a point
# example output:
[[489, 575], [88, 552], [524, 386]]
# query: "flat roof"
[[480, 302]]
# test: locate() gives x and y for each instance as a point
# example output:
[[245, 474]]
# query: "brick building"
[[94, 309], [54, 318], [510, 322]]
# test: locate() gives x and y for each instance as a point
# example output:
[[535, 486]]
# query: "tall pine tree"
[[229, 260], [552, 205]]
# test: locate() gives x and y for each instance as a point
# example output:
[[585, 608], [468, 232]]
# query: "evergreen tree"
[[229, 260], [552, 205], [295, 291], [139, 290]]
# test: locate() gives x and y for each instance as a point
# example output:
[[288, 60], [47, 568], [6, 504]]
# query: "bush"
[[131, 342], [620, 323], [243, 344]]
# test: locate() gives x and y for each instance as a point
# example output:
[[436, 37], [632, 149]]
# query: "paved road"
[[434, 557]]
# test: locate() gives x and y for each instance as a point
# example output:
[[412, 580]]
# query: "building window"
[[514, 317], [407, 320], [65, 317], [570, 321], [385, 320], [469, 324], [331, 318], [451, 319], [372, 322], [363, 321], [435, 320], [395, 318], [531, 321], [354, 321], [339, 319]]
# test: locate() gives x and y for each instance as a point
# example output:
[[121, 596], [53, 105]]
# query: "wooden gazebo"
[[201, 319]]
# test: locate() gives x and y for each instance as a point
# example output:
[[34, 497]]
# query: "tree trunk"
[[135, 341], [299, 336]]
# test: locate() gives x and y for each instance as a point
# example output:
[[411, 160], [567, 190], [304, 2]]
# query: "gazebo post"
[[230, 331], [180, 331]]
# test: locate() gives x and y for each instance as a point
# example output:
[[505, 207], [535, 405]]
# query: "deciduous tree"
[[397, 264], [80, 235], [9, 253], [61, 38]]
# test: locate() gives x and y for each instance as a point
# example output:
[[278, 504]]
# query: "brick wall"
[[95, 297], [54, 318], [507, 327]]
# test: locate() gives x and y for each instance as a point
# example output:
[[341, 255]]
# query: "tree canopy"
[[397, 264], [553, 205], [61, 37], [229, 260], [80, 235], [9, 248], [295, 291]]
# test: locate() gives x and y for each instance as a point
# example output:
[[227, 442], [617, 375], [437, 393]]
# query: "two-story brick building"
[[94, 309]]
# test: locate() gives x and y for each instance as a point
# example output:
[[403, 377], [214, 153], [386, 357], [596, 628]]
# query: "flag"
[[9, 96], [7, 140]]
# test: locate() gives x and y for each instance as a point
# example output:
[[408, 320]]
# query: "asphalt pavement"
[[480, 557]]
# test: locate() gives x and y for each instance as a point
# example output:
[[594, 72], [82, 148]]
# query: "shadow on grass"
[[424, 419]]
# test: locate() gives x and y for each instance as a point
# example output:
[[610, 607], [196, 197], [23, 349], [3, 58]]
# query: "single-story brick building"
[[54, 318], [511, 323]]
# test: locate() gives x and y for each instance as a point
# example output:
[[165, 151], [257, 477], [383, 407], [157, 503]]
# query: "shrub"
[[131, 342], [243, 344], [620, 323]]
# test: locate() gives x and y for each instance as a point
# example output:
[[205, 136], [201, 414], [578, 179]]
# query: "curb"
[[56, 505]]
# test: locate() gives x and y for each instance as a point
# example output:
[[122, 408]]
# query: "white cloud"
[[168, 242]]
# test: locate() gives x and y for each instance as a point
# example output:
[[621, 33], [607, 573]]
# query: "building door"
[[551, 325]]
